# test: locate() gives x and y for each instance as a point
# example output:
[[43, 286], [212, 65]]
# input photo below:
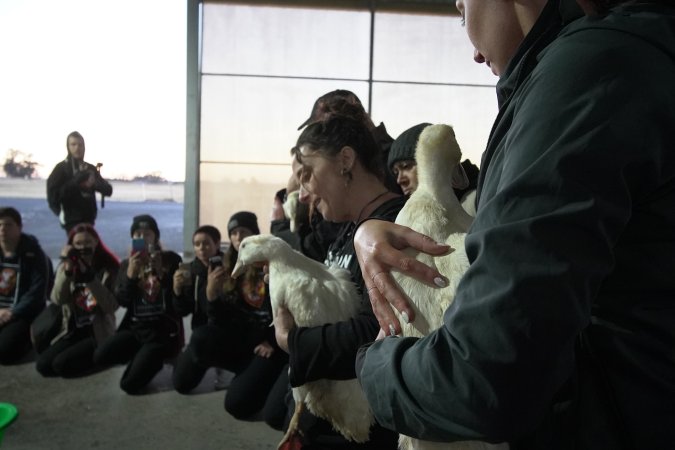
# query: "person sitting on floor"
[[150, 331], [84, 290], [25, 279]]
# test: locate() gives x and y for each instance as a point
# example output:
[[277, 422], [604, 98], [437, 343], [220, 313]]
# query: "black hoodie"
[[70, 201]]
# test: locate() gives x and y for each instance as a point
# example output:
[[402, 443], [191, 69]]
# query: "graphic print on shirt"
[[254, 293], [84, 305], [342, 261], [151, 302], [9, 284]]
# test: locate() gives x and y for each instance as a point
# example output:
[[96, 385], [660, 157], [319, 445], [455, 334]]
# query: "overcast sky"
[[112, 70]]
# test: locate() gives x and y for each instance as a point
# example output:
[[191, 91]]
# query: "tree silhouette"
[[19, 165]]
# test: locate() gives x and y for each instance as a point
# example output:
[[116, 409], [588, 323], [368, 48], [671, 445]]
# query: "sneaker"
[[223, 378]]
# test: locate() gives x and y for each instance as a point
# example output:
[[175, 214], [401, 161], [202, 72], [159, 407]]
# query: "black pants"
[[145, 359], [14, 340], [215, 346], [250, 388], [210, 346], [70, 356], [275, 411]]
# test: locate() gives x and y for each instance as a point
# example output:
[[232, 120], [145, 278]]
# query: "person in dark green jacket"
[[562, 331]]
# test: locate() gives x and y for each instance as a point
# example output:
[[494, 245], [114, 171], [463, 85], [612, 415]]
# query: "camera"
[[215, 261], [79, 268], [74, 253]]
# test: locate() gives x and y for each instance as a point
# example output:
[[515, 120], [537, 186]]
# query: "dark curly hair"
[[330, 136]]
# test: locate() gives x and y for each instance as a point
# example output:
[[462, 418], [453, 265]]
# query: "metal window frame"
[[191, 209]]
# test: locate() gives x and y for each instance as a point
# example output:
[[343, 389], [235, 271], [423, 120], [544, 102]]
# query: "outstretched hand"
[[379, 246]]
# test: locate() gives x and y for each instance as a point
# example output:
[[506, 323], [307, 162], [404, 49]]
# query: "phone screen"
[[137, 245]]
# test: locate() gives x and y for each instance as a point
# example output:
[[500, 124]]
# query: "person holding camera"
[[83, 287], [237, 336], [72, 185], [150, 331]]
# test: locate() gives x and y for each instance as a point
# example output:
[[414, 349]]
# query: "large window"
[[262, 67]]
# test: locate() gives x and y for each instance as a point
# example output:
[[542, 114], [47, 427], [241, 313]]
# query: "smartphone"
[[185, 267], [137, 245], [215, 261]]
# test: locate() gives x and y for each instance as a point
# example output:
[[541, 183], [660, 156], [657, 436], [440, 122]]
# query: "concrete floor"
[[94, 413]]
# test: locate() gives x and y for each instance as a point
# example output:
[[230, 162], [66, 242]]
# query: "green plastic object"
[[8, 413]]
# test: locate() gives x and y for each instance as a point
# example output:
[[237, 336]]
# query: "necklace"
[[370, 203]]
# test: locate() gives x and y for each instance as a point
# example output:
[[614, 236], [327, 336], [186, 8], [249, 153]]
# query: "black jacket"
[[67, 199], [561, 333], [35, 277]]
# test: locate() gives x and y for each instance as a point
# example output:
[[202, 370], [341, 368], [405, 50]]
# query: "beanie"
[[243, 219], [403, 148], [145, 221]]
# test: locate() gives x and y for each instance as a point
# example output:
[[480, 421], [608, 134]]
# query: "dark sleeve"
[[553, 208], [184, 304], [101, 185], [54, 184], [279, 225], [222, 310], [38, 271], [126, 289], [329, 351], [170, 263]]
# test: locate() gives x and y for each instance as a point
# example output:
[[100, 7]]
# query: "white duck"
[[315, 294], [291, 209], [434, 210]]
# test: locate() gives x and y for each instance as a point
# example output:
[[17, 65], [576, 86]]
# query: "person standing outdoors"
[[72, 185]]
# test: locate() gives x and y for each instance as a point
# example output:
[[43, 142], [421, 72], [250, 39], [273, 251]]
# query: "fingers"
[[417, 270], [389, 289], [385, 315], [422, 243]]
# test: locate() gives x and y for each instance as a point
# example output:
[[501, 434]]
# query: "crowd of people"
[[562, 330]]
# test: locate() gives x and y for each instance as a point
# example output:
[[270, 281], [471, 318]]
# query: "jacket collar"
[[555, 15]]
